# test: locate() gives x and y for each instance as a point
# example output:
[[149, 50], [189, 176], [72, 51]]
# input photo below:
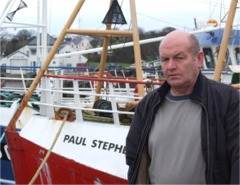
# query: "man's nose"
[[171, 64]]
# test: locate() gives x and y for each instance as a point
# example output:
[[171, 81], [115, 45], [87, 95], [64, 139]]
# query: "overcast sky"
[[151, 14]]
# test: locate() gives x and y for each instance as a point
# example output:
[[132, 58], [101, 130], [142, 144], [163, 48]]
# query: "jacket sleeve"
[[133, 139], [232, 135]]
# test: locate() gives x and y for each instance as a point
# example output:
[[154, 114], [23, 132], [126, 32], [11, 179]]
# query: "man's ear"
[[200, 59]]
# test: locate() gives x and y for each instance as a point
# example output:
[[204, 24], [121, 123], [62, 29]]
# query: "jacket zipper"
[[208, 180]]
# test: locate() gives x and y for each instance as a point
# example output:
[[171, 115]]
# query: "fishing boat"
[[11, 94], [7, 176], [95, 124], [78, 138], [210, 41]]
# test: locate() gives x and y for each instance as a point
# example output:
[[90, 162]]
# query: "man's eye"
[[179, 58], [164, 59]]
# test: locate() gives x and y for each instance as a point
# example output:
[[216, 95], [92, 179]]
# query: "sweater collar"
[[196, 93]]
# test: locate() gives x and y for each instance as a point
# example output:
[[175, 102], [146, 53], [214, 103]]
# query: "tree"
[[126, 54], [150, 51], [167, 30], [11, 43], [5, 37]]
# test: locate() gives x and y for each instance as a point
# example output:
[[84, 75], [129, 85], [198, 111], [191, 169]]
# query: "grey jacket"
[[219, 131]]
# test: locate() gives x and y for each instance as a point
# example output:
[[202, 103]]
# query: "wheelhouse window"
[[209, 60], [227, 60], [237, 55], [33, 51]]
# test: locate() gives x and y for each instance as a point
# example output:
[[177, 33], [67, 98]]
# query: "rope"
[[89, 116], [49, 151]]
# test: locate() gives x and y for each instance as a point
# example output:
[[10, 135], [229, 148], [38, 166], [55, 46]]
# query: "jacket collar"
[[196, 93], [198, 88]]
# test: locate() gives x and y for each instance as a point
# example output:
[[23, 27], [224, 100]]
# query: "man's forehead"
[[173, 51]]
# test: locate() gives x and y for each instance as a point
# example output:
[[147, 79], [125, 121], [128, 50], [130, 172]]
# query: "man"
[[186, 131]]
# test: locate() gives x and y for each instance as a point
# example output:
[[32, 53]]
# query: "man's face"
[[180, 68]]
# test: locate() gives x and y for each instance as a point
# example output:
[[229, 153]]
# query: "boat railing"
[[14, 84], [113, 102], [16, 79]]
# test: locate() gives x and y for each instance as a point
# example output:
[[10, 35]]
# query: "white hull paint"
[[100, 146]]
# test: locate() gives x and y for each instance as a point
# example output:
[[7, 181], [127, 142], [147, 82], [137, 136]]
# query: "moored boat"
[[7, 176], [210, 40], [79, 139], [92, 141], [100, 143]]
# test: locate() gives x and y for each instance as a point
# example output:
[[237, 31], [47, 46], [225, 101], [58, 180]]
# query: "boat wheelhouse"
[[210, 42]]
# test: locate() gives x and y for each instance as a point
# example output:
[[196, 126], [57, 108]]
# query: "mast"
[[103, 60], [136, 47], [106, 34], [12, 124], [224, 44], [137, 50]]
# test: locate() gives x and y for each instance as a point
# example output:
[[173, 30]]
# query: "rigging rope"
[[50, 150]]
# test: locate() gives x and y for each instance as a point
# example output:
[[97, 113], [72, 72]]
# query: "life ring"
[[136, 92], [136, 89], [60, 114]]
